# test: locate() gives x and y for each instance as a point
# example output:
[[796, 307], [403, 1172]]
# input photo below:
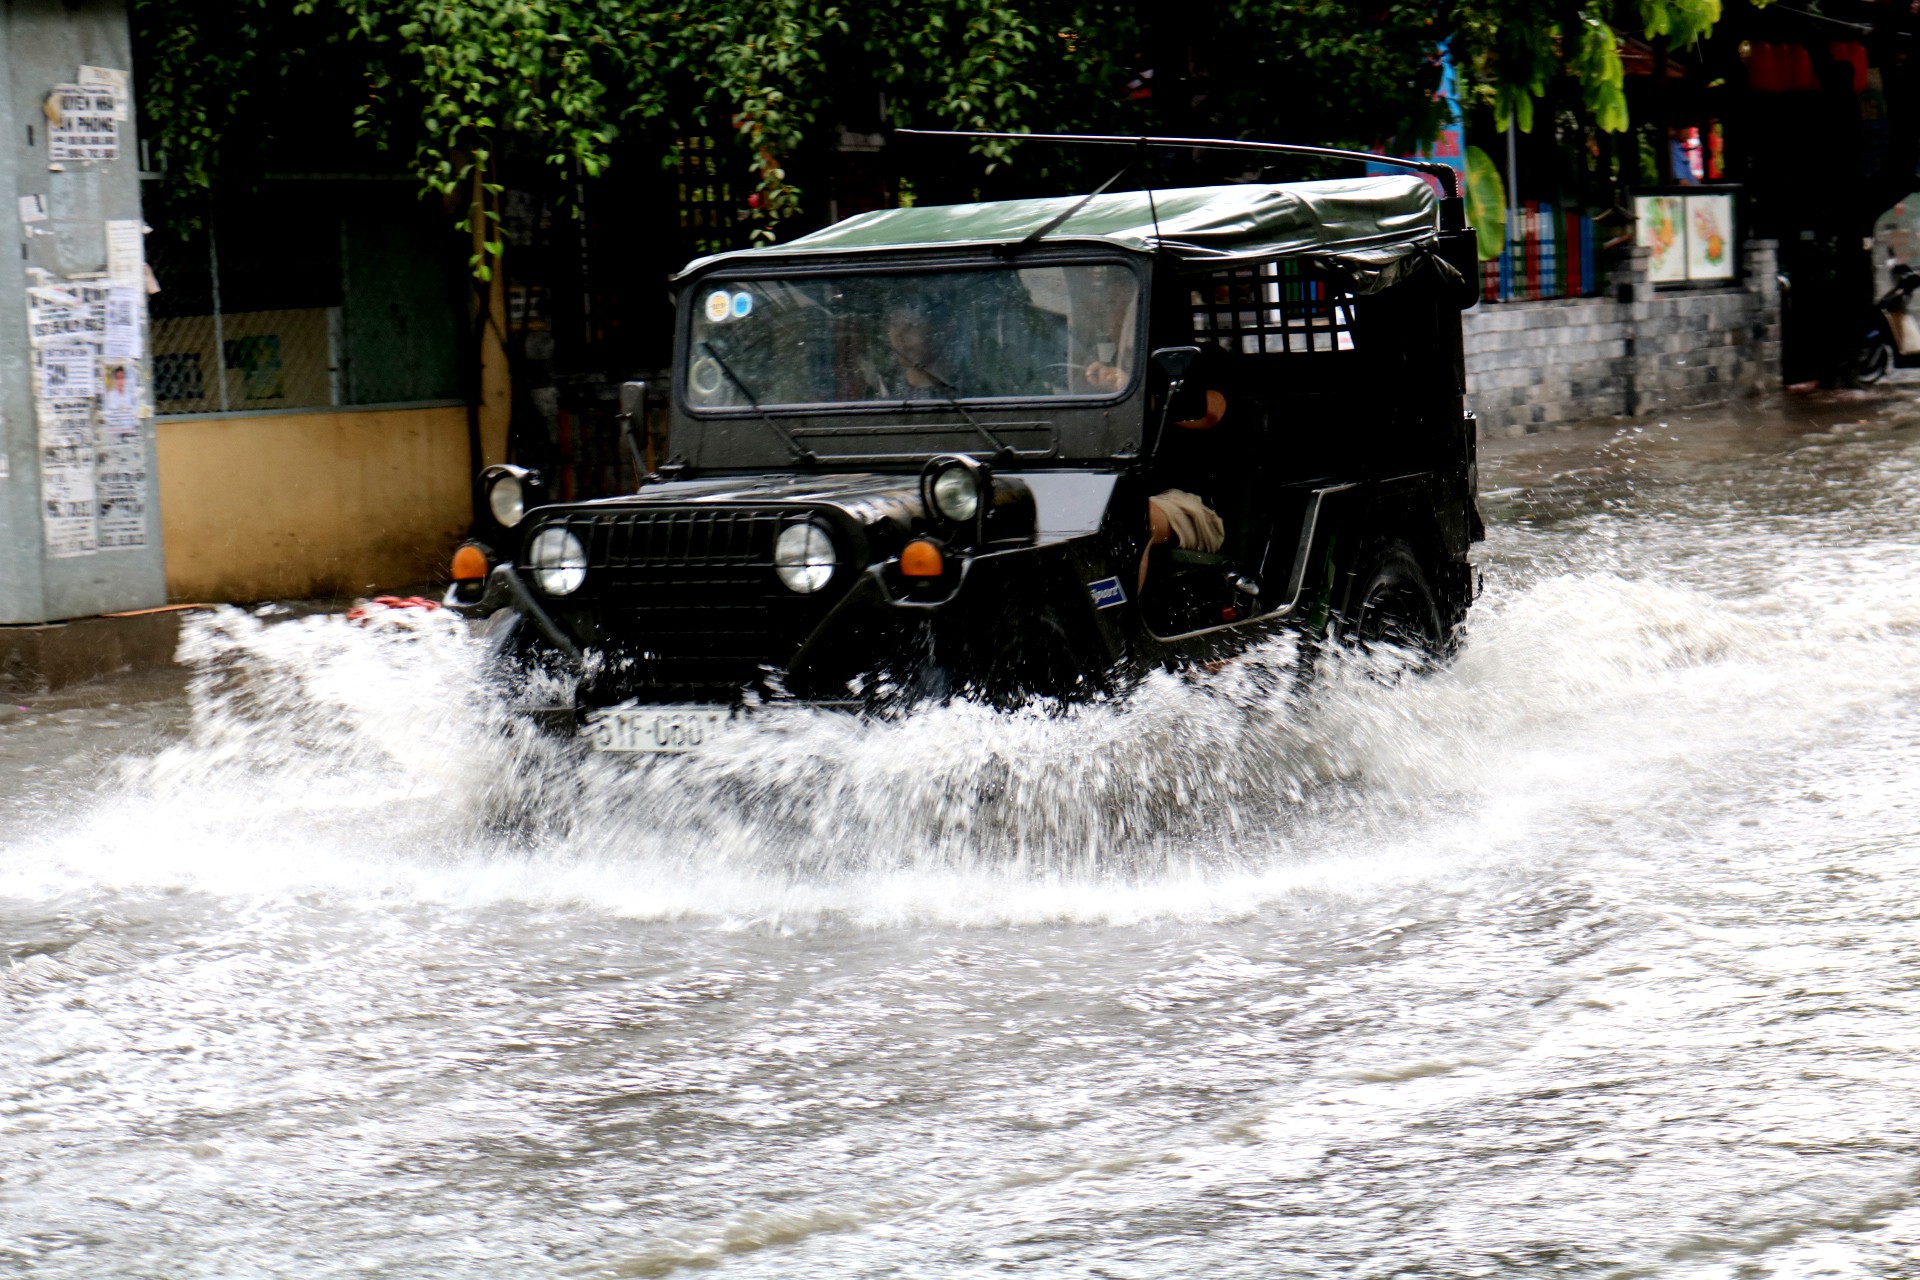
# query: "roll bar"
[[1452, 214]]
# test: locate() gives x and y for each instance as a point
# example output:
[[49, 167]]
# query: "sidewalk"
[[38, 658], [42, 657]]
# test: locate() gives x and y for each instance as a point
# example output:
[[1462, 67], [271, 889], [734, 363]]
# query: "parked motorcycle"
[[1893, 335]]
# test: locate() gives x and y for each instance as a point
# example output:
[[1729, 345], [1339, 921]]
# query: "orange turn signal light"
[[922, 559], [469, 563]]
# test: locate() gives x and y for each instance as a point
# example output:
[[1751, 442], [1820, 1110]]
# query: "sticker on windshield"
[[742, 305], [718, 304], [1107, 593]]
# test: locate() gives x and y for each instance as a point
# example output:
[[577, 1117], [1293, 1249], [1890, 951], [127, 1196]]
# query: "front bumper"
[[807, 668], [506, 589]]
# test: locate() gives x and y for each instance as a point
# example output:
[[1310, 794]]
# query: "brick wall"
[[1534, 366]]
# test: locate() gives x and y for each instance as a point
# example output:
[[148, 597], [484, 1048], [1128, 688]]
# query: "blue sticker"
[[742, 305], [1107, 593]]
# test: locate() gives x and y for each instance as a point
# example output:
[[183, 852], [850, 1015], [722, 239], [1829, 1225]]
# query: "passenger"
[[1178, 517]]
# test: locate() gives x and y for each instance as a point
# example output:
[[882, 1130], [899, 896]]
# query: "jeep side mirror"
[[633, 409], [633, 398], [1175, 361], [1185, 400]]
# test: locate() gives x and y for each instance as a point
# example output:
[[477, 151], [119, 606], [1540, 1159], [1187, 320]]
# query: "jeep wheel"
[[1014, 648], [1395, 604]]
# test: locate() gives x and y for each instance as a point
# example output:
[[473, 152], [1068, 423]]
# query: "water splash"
[[1601, 924], [328, 757]]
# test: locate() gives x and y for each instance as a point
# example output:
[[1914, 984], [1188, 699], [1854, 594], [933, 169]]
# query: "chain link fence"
[[307, 296]]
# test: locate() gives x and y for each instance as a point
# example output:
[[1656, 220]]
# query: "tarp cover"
[[1365, 225]]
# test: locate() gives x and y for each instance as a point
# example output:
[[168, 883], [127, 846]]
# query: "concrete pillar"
[[1760, 263], [62, 189], [1627, 274], [1633, 295]]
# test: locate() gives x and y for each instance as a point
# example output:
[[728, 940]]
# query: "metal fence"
[[258, 311], [1549, 254]]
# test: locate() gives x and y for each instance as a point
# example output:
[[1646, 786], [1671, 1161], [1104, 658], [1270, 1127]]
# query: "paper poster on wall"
[[114, 81], [120, 328], [119, 403], [1661, 229], [66, 423], [95, 483], [69, 506], [81, 124], [92, 295], [59, 316], [119, 430], [1709, 237], [120, 387], [126, 255], [68, 459], [62, 373], [120, 490]]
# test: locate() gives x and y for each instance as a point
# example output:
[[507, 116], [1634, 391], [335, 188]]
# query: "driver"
[[909, 351]]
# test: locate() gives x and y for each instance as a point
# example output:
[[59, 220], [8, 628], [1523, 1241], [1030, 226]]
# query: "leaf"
[[1486, 203]]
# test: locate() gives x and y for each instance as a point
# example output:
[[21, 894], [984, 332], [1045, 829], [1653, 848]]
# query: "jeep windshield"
[[880, 338]]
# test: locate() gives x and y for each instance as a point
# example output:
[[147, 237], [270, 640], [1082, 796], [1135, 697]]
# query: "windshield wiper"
[[800, 451], [1002, 451]]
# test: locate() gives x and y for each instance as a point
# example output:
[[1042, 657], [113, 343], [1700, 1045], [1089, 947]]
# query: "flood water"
[[1595, 954]]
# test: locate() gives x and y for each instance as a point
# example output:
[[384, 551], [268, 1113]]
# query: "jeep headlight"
[[804, 557], [953, 489], [557, 561], [507, 490], [955, 495]]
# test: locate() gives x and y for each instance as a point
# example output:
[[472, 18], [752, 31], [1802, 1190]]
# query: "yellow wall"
[[327, 502], [336, 502]]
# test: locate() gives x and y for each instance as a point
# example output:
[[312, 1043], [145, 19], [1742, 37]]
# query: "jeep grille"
[[686, 598]]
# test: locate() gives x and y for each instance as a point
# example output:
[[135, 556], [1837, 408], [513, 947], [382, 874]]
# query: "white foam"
[[329, 758]]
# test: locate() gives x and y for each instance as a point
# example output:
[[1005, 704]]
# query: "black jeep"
[[1015, 450]]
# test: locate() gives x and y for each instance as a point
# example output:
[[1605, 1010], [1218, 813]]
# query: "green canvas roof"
[[1366, 225]]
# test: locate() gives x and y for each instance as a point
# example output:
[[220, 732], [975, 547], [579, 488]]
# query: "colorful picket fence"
[[1549, 254]]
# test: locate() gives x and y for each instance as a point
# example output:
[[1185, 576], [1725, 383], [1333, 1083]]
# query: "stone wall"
[[1534, 366]]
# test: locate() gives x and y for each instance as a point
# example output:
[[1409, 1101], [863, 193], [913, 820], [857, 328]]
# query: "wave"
[[370, 761]]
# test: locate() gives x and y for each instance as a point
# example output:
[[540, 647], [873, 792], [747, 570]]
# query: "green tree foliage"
[[1511, 49], [207, 70], [452, 81]]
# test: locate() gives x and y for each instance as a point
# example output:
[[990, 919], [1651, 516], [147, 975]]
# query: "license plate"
[[659, 730]]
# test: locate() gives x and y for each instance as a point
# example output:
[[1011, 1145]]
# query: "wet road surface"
[[1594, 954]]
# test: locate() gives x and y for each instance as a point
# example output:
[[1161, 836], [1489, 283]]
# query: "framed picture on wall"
[[1710, 247], [1660, 227], [1689, 234]]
